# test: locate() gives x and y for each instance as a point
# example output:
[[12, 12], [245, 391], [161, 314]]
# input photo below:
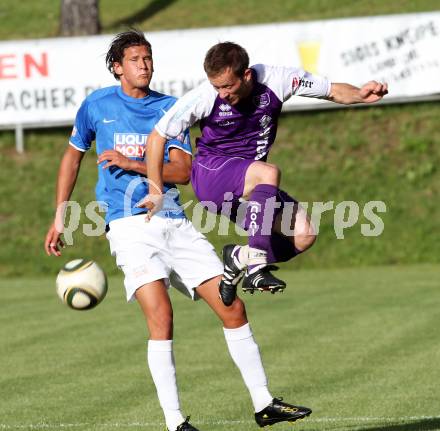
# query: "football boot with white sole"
[[263, 280]]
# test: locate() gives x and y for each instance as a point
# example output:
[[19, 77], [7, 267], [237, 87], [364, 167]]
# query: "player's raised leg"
[[221, 180], [292, 234], [261, 190], [293, 231]]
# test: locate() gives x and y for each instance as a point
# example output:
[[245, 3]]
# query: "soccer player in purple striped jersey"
[[238, 109]]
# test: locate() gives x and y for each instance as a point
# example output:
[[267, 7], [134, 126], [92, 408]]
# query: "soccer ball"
[[81, 284]]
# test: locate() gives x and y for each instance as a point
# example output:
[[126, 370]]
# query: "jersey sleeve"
[[83, 133], [181, 142], [193, 106], [291, 81]]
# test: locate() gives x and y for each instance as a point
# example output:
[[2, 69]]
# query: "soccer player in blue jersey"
[[238, 111], [168, 250]]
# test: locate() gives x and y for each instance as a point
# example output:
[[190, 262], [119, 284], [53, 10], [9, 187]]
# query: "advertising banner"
[[44, 81]]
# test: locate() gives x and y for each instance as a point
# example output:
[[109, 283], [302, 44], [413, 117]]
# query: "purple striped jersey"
[[249, 128]]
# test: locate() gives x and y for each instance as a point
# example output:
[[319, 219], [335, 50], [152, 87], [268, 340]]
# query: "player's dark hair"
[[122, 41], [226, 55]]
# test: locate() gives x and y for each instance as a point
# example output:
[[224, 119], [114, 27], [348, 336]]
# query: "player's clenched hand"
[[373, 91], [53, 243], [153, 202], [114, 158]]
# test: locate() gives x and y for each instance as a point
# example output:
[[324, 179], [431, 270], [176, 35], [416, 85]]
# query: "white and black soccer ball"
[[81, 284]]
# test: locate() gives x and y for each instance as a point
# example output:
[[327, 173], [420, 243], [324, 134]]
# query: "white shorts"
[[164, 248]]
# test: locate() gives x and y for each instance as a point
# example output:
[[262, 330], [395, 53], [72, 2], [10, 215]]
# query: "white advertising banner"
[[44, 81]]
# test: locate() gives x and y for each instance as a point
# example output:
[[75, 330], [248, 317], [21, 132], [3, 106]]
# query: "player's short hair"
[[120, 42], [226, 55]]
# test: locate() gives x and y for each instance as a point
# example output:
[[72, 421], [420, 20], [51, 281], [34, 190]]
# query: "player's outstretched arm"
[[155, 155], [177, 171], [67, 174], [348, 94]]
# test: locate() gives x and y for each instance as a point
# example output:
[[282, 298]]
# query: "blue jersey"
[[120, 122]]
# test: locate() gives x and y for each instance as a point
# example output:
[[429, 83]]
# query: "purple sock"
[[260, 216]]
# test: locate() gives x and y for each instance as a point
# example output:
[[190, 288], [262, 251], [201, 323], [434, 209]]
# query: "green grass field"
[[360, 346], [32, 19]]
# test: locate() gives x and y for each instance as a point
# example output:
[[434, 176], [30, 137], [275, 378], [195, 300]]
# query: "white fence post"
[[19, 138]]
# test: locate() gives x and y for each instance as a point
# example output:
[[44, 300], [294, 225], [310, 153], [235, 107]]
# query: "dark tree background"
[[79, 17]]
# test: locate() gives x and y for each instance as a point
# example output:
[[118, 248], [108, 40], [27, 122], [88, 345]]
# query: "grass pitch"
[[359, 346]]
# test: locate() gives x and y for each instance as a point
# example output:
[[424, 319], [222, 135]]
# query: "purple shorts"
[[218, 179], [213, 177]]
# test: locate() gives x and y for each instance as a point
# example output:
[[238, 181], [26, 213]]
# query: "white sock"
[[246, 355], [243, 256], [161, 363], [256, 259]]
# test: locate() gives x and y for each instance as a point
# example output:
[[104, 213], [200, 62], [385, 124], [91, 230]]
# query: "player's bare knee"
[[160, 330], [269, 174], [261, 173], [235, 315], [160, 324], [238, 309], [304, 234], [304, 241]]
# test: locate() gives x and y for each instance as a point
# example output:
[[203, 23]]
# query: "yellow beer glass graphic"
[[309, 55]]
